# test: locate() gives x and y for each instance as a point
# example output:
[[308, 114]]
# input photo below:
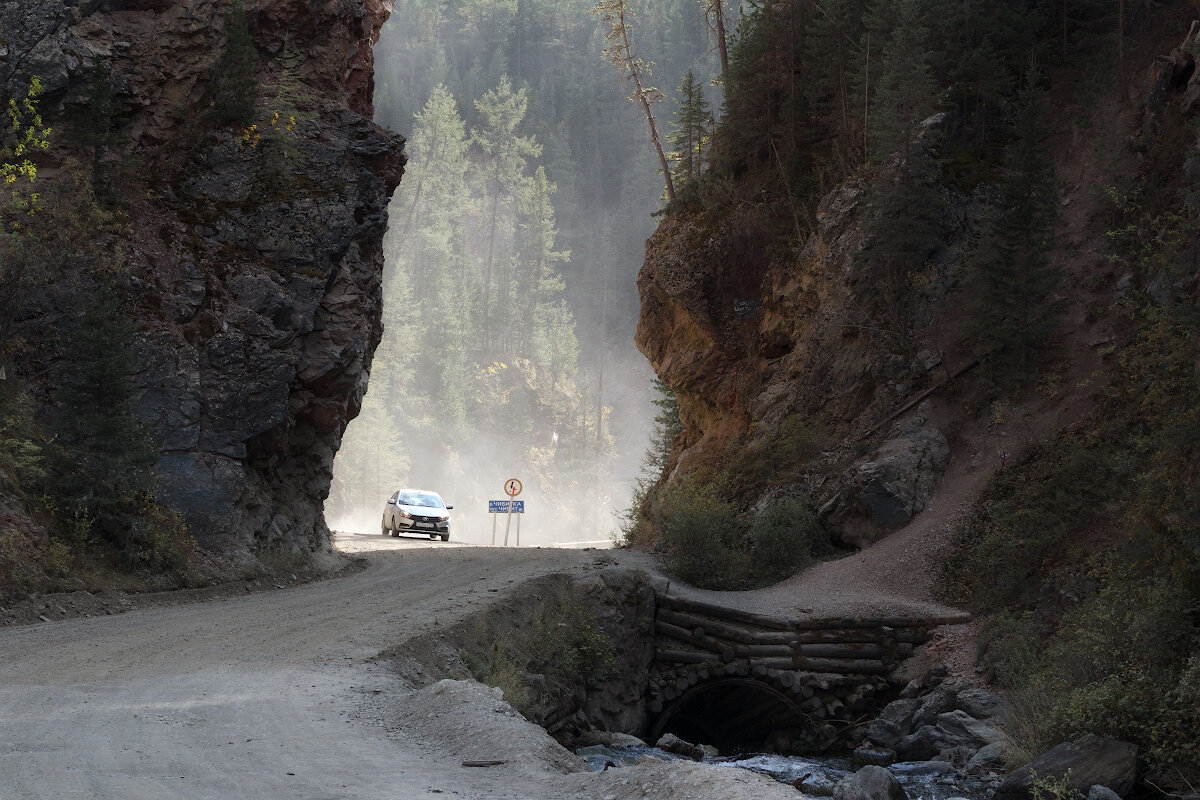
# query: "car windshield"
[[427, 499]]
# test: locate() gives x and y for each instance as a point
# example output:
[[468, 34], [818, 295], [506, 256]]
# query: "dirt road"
[[275, 695]]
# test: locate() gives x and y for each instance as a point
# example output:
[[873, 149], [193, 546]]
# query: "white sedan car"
[[416, 511]]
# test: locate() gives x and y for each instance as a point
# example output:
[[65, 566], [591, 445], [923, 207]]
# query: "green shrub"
[[1009, 649], [549, 633], [702, 535], [784, 539]]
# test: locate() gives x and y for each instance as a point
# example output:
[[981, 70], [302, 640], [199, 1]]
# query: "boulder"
[[673, 744], [1085, 763], [990, 757], [941, 699], [874, 756], [893, 723], [1099, 792], [895, 483], [981, 704], [971, 731], [954, 730], [869, 783]]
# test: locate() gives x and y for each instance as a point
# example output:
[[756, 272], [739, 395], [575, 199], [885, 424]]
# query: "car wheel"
[[446, 536], [383, 529], [433, 536]]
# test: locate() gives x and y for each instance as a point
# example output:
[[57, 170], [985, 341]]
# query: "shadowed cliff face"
[[255, 262], [759, 338]]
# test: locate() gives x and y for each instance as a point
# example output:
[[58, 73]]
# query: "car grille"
[[425, 519]]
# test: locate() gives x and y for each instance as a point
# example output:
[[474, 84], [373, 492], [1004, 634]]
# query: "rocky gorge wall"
[[253, 257], [763, 341]]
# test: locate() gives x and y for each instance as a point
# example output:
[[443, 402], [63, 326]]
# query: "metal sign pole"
[[493, 529], [519, 529], [512, 488]]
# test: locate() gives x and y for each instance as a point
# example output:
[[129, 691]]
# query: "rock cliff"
[[765, 340], [254, 257]]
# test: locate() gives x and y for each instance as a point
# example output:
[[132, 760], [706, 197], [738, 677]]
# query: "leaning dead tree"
[[714, 17], [617, 15]]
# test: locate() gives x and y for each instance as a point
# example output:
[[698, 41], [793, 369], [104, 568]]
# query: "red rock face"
[[755, 334], [255, 265]]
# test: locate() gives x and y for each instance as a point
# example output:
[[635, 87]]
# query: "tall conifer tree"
[[693, 126], [1012, 275]]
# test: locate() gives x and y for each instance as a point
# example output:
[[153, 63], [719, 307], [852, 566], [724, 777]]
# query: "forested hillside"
[[949, 248], [509, 289]]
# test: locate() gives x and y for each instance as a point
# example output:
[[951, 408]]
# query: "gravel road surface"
[[276, 695]]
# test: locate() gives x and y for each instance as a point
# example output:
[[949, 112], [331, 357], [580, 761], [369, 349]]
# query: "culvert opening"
[[737, 715], [608, 653]]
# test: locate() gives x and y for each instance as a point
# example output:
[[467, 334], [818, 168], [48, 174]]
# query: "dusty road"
[[276, 695]]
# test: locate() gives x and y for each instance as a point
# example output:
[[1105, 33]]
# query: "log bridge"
[[828, 673]]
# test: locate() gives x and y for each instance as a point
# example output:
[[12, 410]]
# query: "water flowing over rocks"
[[254, 270]]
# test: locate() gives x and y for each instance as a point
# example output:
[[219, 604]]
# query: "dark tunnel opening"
[[735, 715]]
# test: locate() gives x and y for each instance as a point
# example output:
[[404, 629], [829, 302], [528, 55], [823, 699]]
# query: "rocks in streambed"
[[873, 756], [938, 724], [671, 743], [953, 730], [1088, 762], [869, 783]]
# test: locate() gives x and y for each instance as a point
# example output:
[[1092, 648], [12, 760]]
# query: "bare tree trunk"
[[615, 13], [662, 157], [718, 12], [1121, 52]]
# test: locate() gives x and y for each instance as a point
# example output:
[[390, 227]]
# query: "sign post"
[[512, 488]]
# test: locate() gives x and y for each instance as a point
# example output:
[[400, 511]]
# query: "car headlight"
[[444, 517], [405, 514]]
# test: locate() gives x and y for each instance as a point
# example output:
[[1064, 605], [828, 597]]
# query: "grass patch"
[[540, 648]]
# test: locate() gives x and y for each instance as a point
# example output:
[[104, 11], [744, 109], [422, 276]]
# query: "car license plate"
[[424, 524]]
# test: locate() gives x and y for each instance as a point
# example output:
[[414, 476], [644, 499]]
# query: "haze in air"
[[512, 254]]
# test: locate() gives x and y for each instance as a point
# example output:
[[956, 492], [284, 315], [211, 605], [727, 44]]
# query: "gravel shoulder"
[[277, 694]]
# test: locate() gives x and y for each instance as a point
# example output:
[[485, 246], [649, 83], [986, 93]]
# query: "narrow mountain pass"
[[277, 694]]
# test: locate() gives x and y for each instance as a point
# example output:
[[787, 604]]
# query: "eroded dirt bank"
[[277, 695]]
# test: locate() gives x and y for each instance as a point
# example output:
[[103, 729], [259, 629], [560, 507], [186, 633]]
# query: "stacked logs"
[[832, 668]]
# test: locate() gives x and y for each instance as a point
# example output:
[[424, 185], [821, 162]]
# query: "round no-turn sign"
[[512, 487]]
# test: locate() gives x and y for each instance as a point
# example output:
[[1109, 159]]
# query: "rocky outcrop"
[[755, 335], [891, 485], [255, 261]]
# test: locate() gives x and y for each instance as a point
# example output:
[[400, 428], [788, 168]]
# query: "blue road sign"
[[501, 506]]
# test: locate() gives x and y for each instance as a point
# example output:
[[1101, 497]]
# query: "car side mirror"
[[449, 507], [391, 502]]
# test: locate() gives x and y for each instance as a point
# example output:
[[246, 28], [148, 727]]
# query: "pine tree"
[[1012, 275], [537, 280], [500, 174], [905, 95], [96, 122], [693, 125], [104, 454], [902, 225]]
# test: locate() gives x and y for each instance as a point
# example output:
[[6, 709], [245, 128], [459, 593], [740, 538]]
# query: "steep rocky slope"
[[765, 331], [762, 341], [254, 256]]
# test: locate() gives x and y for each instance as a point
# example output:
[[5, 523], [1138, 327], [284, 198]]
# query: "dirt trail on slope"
[[278, 694]]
